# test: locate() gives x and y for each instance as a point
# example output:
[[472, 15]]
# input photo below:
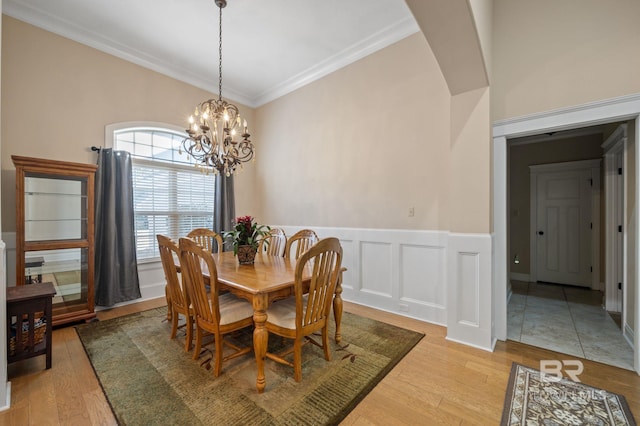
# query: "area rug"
[[149, 379], [536, 399]]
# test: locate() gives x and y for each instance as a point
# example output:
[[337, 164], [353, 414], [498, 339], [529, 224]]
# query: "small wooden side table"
[[23, 302]]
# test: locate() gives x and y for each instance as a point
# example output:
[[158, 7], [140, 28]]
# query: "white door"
[[563, 227]]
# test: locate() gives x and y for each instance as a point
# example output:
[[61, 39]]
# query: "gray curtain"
[[224, 209], [116, 276]]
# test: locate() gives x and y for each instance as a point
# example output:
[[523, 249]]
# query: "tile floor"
[[566, 319]]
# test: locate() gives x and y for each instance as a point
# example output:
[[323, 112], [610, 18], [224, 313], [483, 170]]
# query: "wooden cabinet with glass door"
[[55, 232]]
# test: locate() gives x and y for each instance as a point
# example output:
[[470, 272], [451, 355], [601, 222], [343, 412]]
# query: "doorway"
[[557, 297], [557, 302], [621, 109]]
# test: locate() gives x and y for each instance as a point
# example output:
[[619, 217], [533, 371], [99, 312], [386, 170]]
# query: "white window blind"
[[170, 197]]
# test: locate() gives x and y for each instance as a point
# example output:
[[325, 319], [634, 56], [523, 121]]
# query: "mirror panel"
[[55, 208], [66, 269]]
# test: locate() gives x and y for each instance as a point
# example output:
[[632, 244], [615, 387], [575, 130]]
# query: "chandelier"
[[214, 129]]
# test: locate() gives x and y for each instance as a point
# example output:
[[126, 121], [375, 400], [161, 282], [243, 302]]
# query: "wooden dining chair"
[[302, 240], [177, 299], [299, 317], [207, 238], [273, 244], [218, 314]]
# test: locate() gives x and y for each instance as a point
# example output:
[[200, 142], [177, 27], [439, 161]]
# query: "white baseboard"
[[7, 403], [519, 277], [484, 348]]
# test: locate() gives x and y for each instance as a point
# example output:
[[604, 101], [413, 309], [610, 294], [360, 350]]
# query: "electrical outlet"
[[412, 211], [403, 307]]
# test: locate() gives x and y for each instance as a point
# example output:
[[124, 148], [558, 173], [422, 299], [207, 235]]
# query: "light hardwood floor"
[[438, 382]]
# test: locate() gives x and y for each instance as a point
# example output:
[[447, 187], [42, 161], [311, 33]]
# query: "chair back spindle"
[[303, 240], [210, 240], [274, 244]]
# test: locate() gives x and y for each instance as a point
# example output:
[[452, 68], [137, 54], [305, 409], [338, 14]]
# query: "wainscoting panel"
[[469, 315], [422, 274], [375, 268], [434, 276], [467, 285], [5, 386], [349, 256], [9, 239], [399, 271]]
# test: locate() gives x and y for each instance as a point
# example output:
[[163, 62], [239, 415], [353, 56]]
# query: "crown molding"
[[64, 28], [383, 38]]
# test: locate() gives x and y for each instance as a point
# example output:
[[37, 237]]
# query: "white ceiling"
[[270, 48]]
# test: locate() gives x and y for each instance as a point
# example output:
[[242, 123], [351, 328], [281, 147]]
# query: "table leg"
[[260, 338], [337, 307]]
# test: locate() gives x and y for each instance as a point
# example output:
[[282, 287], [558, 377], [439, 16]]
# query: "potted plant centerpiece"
[[246, 237]]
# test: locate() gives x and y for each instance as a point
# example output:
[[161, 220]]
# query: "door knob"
[[540, 232]]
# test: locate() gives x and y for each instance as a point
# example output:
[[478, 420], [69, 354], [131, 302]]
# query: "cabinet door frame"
[[39, 167]]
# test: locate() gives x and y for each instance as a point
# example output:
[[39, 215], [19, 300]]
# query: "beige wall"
[[361, 146], [523, 156], [58, 95], [549, 54], [470, 165]]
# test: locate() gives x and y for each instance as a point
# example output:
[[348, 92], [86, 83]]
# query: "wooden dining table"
[[270, 278]]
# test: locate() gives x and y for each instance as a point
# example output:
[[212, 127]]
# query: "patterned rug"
[[149, 379], [536, 399]]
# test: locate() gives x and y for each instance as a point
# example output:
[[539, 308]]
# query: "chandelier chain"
[[220, 57]]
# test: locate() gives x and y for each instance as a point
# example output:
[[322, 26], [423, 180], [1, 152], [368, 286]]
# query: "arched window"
[[170, 196]]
